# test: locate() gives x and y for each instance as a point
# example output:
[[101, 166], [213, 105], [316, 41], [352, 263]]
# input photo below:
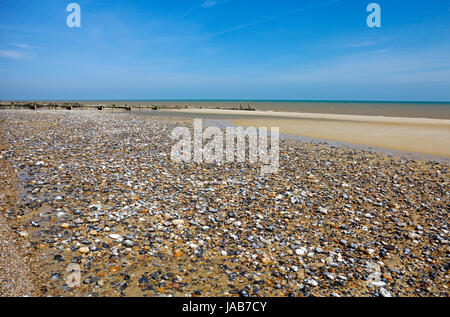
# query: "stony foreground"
[[98, 189]]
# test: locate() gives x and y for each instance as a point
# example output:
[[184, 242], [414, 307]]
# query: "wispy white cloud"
[[11, 54], [209, 4], [269, 19], [212, 3], [22, 45], [378, 66]]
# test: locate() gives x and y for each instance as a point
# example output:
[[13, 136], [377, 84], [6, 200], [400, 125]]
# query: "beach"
[[98, 190], [430, 110], [420, 135]]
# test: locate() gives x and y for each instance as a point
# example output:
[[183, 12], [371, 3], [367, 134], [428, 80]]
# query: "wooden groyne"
[[58, 106], [100, 107]]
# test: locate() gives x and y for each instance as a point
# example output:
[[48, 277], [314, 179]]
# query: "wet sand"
[[426, 136]]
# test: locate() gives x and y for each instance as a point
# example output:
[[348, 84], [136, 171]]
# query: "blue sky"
[[225, 49]]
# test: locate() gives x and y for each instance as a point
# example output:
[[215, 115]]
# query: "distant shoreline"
[[432, 110], [416, 109]]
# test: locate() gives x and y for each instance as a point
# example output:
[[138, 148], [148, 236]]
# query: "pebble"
[[323, 211], [301, 251], [177, 222], [83, 250], [128, 243], [311, 282], [383, 292], [377, 284]]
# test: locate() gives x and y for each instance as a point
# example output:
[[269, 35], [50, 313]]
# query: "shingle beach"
[[98, 189]]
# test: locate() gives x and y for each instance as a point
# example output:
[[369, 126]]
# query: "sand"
[[426, 136], [15, 273]]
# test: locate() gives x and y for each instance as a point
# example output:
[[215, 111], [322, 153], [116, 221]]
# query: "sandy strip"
[[427, 136], [15, 274]]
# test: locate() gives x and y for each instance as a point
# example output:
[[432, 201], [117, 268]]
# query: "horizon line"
[[232, 100]]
